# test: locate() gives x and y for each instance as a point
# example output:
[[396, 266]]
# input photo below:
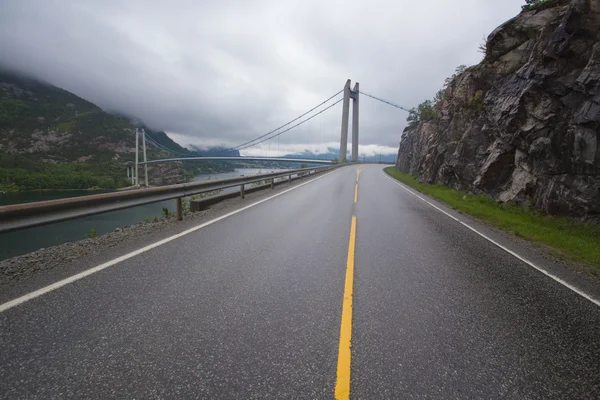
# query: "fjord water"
[[21, 242]]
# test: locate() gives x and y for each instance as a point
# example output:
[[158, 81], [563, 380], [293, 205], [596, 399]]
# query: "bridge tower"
[[349, 94]]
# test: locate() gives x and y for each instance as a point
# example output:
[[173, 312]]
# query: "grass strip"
[[570, 239]]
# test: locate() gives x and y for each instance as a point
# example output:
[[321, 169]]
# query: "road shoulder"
[[572, 273]]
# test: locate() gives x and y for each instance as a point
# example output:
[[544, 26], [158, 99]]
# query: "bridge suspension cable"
[[260, 139], [384, 101], [292, 127], [174, 152], [251, 143]]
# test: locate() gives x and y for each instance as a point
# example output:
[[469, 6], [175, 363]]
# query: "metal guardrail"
[[207, 158], [28, 215]]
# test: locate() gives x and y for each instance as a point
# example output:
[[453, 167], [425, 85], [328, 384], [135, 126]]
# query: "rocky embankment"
[[524, 124]]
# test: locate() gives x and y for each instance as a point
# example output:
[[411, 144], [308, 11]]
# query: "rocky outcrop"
[[525, 123]]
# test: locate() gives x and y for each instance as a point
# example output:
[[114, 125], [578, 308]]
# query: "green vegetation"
[[23, 173], [58, 140], [426, 111], [92, 233], [156, 219], [457, 72], [476, 102], [538, 4], [12, 111], [422, 113], [185, 206], [66, 127], [577, 241]]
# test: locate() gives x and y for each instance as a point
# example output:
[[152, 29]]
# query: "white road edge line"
[[81, 275], [523, 259]]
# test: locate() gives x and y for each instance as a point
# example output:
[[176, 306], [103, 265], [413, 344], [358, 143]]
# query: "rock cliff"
[[524, 124]]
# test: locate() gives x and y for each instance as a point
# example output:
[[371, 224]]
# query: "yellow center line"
[[356, 193], [342, 385], [358, 171]]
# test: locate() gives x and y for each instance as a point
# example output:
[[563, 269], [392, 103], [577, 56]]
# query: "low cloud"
[[223, 73]]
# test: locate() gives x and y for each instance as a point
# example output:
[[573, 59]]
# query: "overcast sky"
[[223, 72]]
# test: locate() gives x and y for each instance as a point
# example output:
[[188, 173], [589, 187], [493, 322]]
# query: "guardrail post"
[[273, 183], [290, 178], [242, 192], [179, 208]]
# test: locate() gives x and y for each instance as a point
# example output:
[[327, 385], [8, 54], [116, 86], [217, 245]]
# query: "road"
[[264, 303]]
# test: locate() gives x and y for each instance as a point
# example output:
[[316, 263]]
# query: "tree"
[[457, 72], [426, 111], [439, 96], [413, 117], [422, 113], [483, 46]]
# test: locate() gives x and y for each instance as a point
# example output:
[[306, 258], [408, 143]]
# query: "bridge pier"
[[137, 161], [345, 115], [354, 96], [349, 94], [145, 160]]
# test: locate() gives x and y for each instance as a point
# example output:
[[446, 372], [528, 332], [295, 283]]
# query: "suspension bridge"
[[347, 94]]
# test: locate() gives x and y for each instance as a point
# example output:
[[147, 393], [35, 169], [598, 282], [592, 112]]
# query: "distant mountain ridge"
[[215, 152], [334, 154]]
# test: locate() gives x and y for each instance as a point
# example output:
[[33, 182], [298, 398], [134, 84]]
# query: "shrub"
[[476, 102], [92, 233], [185, 206]]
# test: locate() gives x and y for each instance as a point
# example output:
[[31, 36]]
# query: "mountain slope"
[[53, 139], [52, 125]]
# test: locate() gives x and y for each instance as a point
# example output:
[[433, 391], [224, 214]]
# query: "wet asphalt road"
[[250, 307]]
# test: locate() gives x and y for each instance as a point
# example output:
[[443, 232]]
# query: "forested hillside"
[[53, 139]]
